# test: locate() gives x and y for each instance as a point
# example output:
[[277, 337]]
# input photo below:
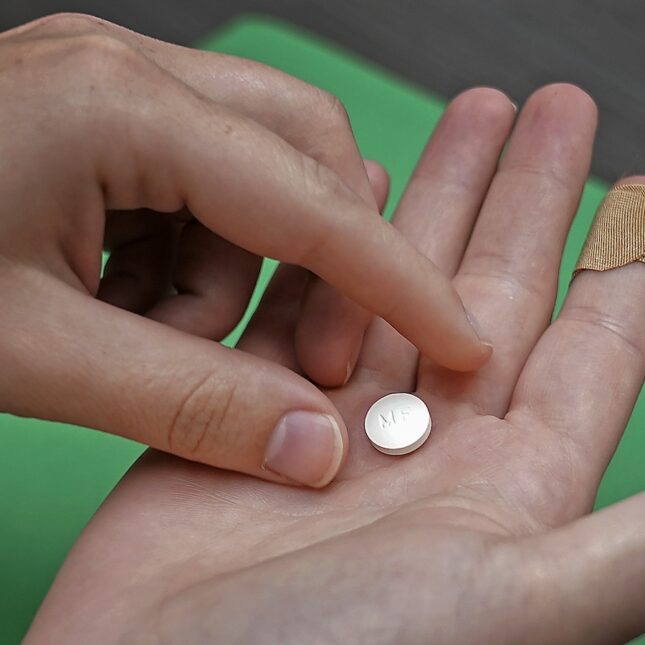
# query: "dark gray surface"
[[445, 46]]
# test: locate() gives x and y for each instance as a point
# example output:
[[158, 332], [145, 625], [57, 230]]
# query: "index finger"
[[254, 189], [310, 119]]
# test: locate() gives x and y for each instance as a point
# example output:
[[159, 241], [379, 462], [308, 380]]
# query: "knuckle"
[[66, 23], [334, 111], [72, 50], [548, 175], [201, 428], [327, 194], [621, 332], [73, 59], [321, 182], [99, 70], [322, 129], [78, 79], [497, 273], [79, 76], [99, 54]]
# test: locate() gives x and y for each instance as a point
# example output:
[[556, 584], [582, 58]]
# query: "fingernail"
[[477, 329], [306, 447], [514, 105]]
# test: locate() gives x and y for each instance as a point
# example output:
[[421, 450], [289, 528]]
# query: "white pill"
[[398, 423]]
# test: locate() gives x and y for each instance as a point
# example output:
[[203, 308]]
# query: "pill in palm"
[[398, 423]]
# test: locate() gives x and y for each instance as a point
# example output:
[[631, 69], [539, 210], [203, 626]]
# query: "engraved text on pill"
[[391, 418]]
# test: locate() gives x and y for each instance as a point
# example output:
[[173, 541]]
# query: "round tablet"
[[398, 423]]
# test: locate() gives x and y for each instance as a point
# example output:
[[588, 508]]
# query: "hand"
[[203, 163], [482, 535]]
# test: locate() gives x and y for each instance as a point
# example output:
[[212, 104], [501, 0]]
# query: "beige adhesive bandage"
[[617, 235]]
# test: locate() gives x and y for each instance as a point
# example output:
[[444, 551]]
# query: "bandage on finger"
[[617, 235]]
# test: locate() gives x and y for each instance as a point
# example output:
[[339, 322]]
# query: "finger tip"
[[375, 169], [486, 353], [564, 101], [471, 361], [379, 179], [326, 356], [331, 375], [489, 101], [630, 180]]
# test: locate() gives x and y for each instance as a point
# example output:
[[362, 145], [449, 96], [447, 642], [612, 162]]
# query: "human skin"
[[190, 166], [482, 535]]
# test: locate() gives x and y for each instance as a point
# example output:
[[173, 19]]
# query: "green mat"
[[53, 477]]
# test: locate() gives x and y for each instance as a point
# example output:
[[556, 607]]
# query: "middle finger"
[[437, 214]]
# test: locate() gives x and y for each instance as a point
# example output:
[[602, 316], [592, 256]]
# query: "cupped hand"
[[483, 534], [189, 166]]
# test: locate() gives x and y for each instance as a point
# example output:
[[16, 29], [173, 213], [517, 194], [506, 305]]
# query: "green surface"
[[53, 477]]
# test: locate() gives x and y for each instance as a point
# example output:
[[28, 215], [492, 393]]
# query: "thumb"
[[75, 359], [593, 574]]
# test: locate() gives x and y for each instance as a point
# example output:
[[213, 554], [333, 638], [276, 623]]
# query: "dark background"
[[443, 45]]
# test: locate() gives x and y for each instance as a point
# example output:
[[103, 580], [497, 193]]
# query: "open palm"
[[476, 537]]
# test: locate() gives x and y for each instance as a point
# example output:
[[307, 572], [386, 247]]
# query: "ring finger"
[[508, 277]]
